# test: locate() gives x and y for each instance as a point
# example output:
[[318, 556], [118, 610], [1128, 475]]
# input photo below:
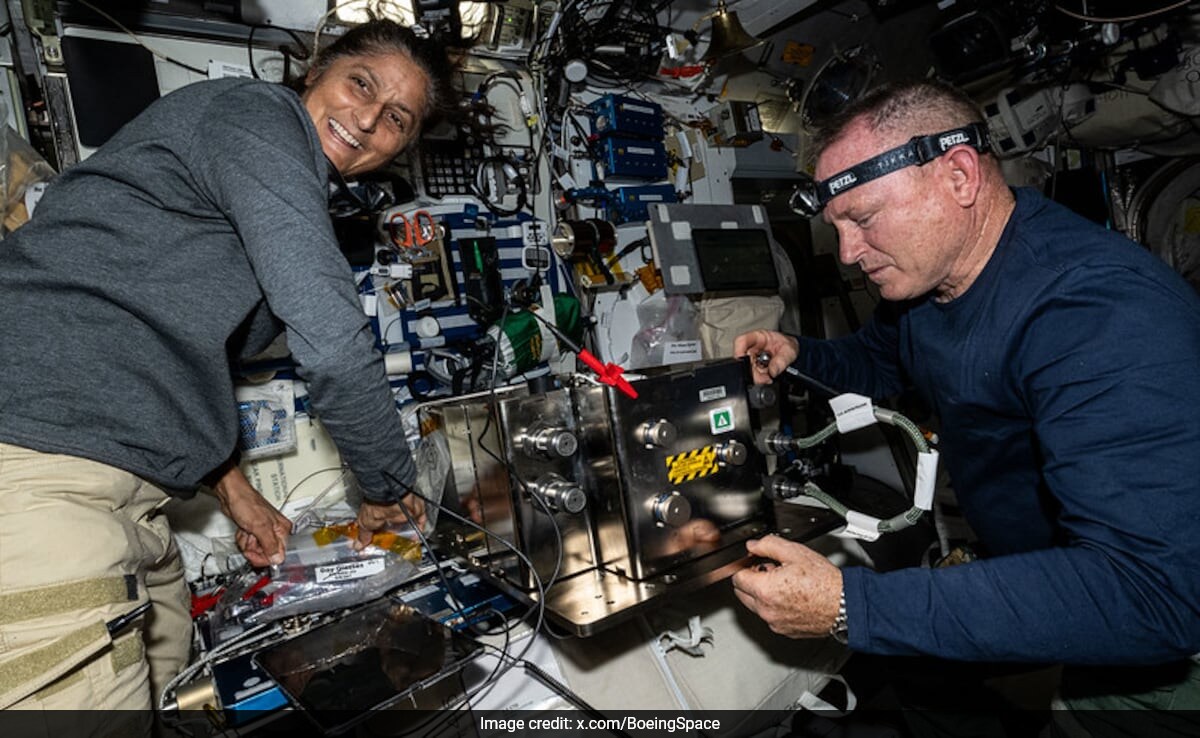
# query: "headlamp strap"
[[919, 150]]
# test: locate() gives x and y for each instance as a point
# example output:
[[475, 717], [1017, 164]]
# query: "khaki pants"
[[82, 543]]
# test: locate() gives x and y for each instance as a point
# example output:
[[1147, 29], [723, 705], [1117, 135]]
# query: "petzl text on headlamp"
[[810, 196]]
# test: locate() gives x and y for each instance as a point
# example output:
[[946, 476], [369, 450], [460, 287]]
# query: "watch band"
[[840, 631]]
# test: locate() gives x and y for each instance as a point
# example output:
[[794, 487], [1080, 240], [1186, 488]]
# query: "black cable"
[[512, 473], [539, 585], [522, 186], [504, 462], [623, 24], [539, 606], [512, 82], [549, 630], [811, 381], [628, 249], [504, 628], [458, 608], [504, 662], [508, 79], [584, 136], [283, 49], [494, 677], [444, 716], [562, 690], [435, 723]]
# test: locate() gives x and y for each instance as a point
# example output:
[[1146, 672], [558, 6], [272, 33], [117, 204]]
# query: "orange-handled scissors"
[[413, 230]]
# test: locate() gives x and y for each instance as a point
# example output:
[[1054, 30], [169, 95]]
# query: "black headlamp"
[[810, 196]]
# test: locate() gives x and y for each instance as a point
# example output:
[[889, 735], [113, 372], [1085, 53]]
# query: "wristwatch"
[[839, 630]]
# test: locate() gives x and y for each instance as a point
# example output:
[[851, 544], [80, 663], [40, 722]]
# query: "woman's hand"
[[373, 516], [262, 530]]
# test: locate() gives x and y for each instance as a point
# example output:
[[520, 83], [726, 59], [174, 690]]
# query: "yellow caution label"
[[692, 465], [795, 52]]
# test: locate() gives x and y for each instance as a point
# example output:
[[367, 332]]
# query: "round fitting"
[[672, 509]]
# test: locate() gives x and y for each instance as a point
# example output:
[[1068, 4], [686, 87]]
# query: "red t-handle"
[[610, 374]]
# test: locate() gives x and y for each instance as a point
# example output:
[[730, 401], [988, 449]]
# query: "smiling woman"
[[230, 177], [370, 92], [366, 109]]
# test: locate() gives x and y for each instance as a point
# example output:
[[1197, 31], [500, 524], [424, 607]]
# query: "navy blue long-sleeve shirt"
[[1067, 381]]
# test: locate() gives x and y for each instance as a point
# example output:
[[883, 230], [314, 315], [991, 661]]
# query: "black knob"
[[762, 396]]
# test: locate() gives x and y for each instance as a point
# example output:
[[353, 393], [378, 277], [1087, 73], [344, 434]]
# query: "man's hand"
[[373, 516], [797, 597], [782, 349], [262, 530]]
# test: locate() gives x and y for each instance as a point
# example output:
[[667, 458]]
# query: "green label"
[[721, 420]]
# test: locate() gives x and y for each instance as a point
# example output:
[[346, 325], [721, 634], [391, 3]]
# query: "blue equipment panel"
[[616, 115], [630, 203], [631, 157]]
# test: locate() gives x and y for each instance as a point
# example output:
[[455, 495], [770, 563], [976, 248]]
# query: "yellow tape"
[[695, 464]]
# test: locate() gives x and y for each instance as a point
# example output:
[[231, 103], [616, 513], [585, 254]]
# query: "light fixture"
[[728, 36], [360, 11], [842, 79], [474, 15]]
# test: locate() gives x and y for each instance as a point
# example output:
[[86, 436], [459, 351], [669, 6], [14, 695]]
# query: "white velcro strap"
[[926, 479], [852, 412], [861, 526]]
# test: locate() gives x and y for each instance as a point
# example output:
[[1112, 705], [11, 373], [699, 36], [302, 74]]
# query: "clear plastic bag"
[[266, 419], [432, 457], [321, 572], [666, 321], [23, 176]]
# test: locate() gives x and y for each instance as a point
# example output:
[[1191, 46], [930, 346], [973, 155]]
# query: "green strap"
[[34, 665], [59, 598], [125, 652]]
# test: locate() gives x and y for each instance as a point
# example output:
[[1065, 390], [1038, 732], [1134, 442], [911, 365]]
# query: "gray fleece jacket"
[[188, 240]]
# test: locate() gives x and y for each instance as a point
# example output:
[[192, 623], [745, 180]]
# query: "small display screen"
[[735, 259], [371, 658]]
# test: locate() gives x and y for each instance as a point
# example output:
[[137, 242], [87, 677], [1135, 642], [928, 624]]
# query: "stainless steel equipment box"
[[686, 477], [612, 501]]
